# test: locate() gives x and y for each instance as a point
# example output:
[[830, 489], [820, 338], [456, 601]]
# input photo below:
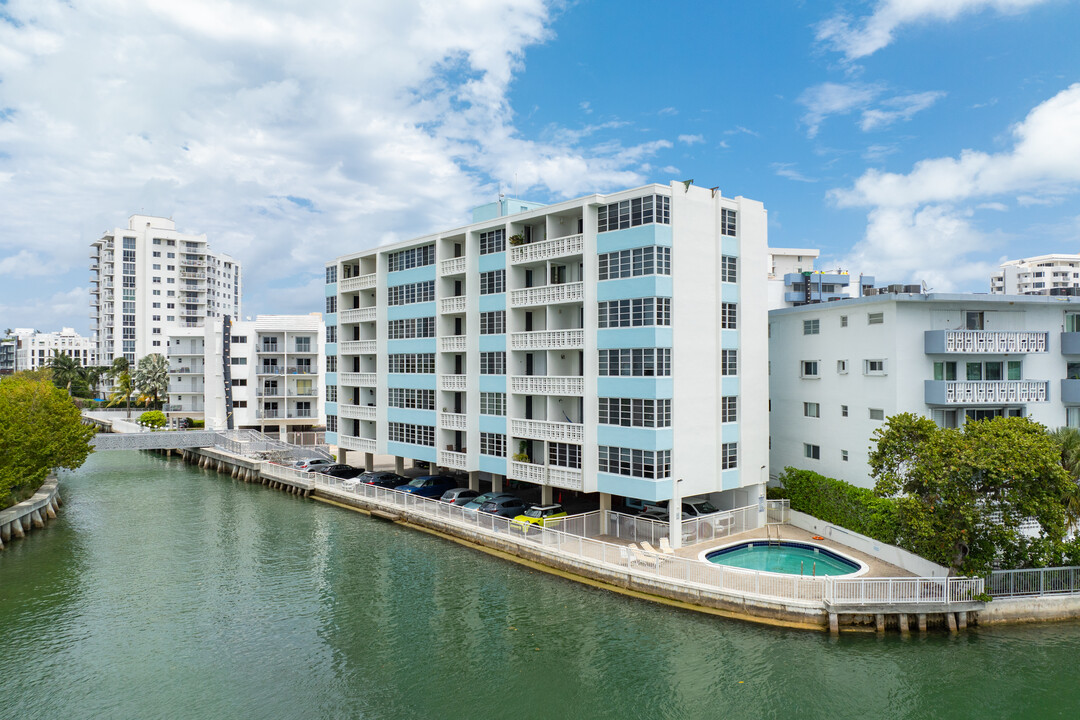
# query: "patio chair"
[[649, 548], [665, 546], [639, 558]]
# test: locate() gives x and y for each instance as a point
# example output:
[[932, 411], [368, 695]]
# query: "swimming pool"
[[787, 557]]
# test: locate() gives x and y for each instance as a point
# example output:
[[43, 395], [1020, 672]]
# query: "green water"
[[787, 559], [164, 591]]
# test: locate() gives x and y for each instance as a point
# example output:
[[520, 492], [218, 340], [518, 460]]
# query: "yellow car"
[[539, 515]]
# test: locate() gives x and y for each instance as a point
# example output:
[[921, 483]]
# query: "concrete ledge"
[[20, 519], [1036, 608], [909, 608]]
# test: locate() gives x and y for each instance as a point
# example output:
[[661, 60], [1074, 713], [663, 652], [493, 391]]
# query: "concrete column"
[[879, 623], [545, 495], [37, 520], [50, 511], [369, 461], [961, 620], [496, 483], [834, 624], [922, 622], [433, 468], [950, 618], [342, 455], [903, 618], [399, 465], [17, 529], [605, 501], [5, 532], [474, 480]]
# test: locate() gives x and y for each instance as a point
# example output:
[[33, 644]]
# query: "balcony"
[[271, 370], [985, 392], [547, 385], [1070, 343], [352, 315], [544, 430], [269, 414], [269, 392], [302, 370], [568, 478], [452, 343], [548, 295], [185, 370], [451, 459], [192, 275], [453, 266], [990, 342], [548, 340], [453, 383], [304, 350], [453, 421], [452, 305], [354, 379], [293, 392], [347, 442], [271, 349], [548, 250], [359, 282], [301, 414], [356, 347], [356, 412]]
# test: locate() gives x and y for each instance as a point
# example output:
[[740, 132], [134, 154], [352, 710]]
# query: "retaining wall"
[[18, 520]]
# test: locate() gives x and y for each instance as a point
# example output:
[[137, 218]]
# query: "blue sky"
[[909, 139]]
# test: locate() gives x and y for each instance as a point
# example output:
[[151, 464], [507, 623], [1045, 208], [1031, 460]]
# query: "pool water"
[[787, 557]]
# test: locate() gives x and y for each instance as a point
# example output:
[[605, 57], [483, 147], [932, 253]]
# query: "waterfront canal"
[[165, 591]]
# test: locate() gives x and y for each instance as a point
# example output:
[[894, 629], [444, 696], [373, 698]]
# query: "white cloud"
[[874, 153], [691, 139], [787, 170], [898, 108], [25, 263], [740, 129], [827, 99], [47, 313], [868, 35], [1000, 207]]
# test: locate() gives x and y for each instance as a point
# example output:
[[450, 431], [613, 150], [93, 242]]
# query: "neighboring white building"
[[793, 280], [275, 373], [1040, 275], [148, 278], [35, 348], [837, 370], [616, 341]]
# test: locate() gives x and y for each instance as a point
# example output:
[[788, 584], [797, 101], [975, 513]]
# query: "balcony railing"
[[545, 430], [985, 392], [453, 421], [549, 249], [451, 459], [356, 412], [547, 385], [189, 275], [452, 383], [185, 370], [364, 314], [359, 282], [302, 370], [293, 392], [548, 340], [353, 379], [356, 347], [269, 414], [272, 349], [355, 443], [452, 304], [452, 343], [269, 392], [995, 342], [548, 295], [453, 266], [568, 478], [301, 414], [271, 370]]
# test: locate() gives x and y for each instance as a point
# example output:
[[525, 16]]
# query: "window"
[[493, 444], [239, 403], [238, 361], [728, 316], [649, 260], [876, 367], [811, 409], [841, 367], [239, 382], [331, 304], [238, 339], [331, 393], [634, 212], [635, 412], [635, 362], [729, 409], [413, 257], [411, 363], [411, 328], [843, 411], [492, 241], [493, 282], [945, 370], [492, 403], [812, 451], [875, 318], [636, 312], [727, 269], [843, 455], [727, 222], [303, 344], [331, 274], [650, 464], [411, 293], [809, 369], [410, 398], [412, 434], [331, 363], [493, 363], [564, 455], [331, 423], [729, 456], [973, 320], [877, 414], [729, 362], [1014, 368], [493, 323], [843, 321], [331, 333], [811, 327]]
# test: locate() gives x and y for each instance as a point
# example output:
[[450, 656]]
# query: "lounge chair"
[[648, 548], [665, 546], [639, 558]]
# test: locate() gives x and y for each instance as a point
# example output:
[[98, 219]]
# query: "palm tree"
[[152, 378], [94, 375], [65, 370], [120, 374], [1069, 439]]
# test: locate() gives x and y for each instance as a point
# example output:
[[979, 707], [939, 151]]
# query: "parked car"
[[309, 463], [634, 506], [507, 506], [540, 514], [459, 495], [689, 535], [479, 500], [693, 506], [336, 470], [383, 479], [431, 486]]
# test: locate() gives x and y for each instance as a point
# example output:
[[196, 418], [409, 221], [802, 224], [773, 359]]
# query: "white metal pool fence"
[[576, 537], [1034, 581]]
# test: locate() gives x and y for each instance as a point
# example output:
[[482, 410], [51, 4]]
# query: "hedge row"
[[840, 503]]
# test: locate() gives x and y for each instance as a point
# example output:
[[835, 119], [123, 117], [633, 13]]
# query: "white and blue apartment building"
[[613, 344]]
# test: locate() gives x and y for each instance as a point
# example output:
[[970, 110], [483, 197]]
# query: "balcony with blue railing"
[[986, 392]]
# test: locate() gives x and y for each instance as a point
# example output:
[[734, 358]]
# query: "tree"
[[65, 369], [40, 430], [94, 375], [152, 379], [153, 419], [964, 492], [119, 373], [1069, 440]]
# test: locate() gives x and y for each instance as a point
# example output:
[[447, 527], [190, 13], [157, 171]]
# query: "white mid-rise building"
[[793, 281], [35, 348], [267, 373], [1040, 275], [838, 369], [612, 344], [147, 278]]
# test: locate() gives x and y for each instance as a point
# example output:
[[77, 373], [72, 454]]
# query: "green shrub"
[[198, 423], [840, 503], [153, 418]]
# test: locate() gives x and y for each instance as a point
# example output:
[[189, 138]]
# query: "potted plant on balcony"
[[521, 455], [518, 239]]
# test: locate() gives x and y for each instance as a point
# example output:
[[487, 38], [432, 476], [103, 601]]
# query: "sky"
[[912, 140]]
